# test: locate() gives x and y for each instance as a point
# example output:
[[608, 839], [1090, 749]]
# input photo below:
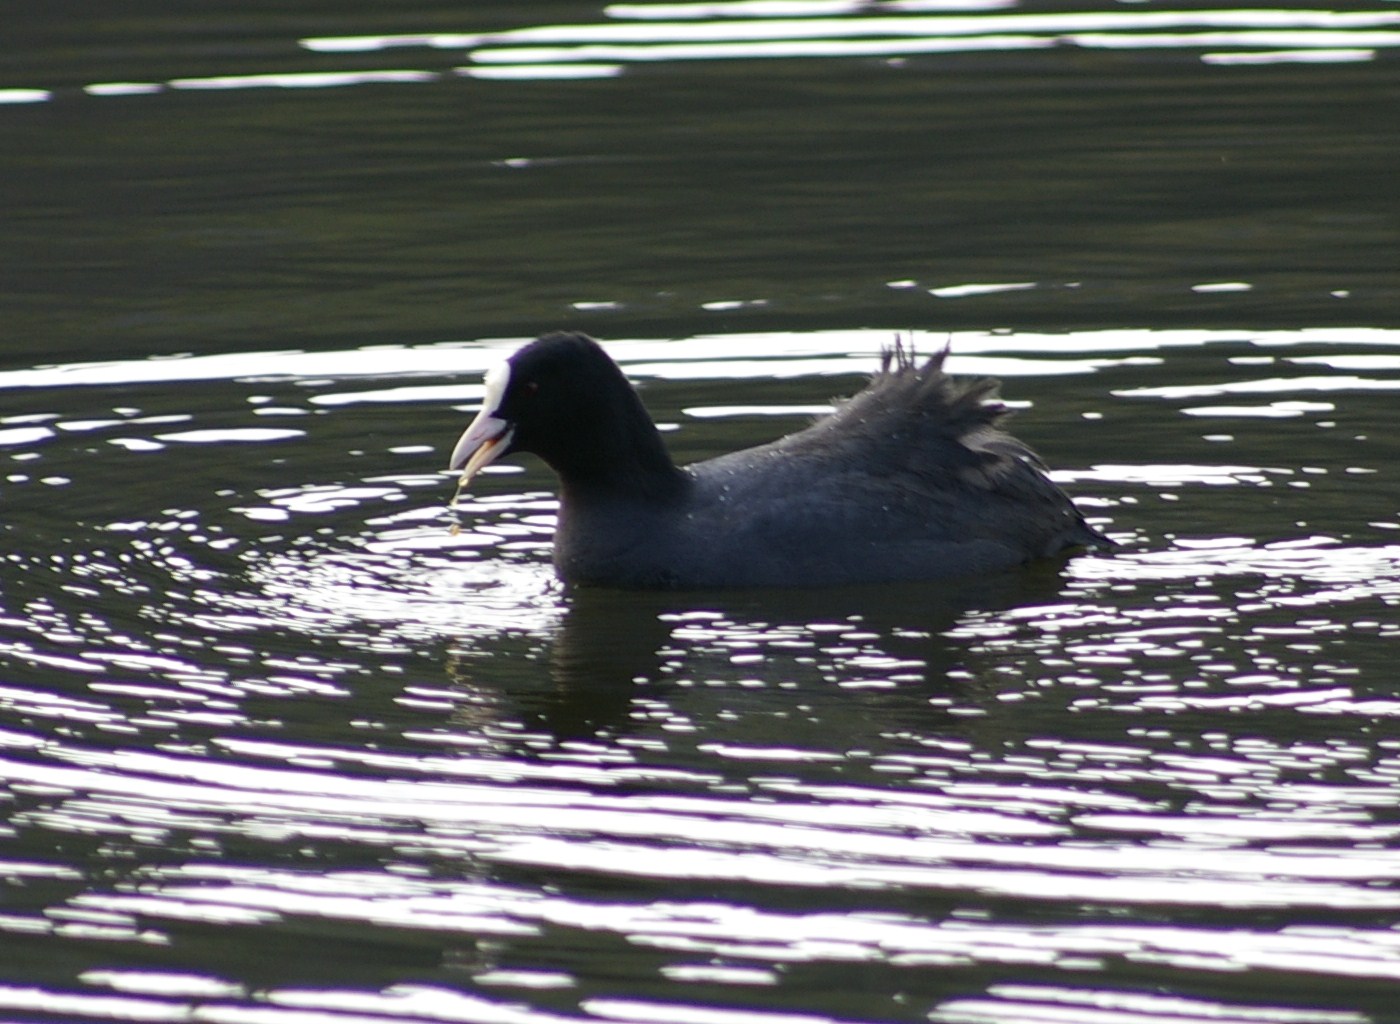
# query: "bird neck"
[[618, 453]]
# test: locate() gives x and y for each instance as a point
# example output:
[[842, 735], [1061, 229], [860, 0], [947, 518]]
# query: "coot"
[[912, 479]]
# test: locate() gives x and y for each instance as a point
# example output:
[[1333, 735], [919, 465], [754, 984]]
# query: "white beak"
[[488, 436], [480, 445]]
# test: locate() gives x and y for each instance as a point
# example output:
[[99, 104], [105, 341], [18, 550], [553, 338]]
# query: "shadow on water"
[[611, 641]]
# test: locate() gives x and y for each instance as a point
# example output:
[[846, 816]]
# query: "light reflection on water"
[[638, 33], [256, 694], [275, 745], [633, 34]]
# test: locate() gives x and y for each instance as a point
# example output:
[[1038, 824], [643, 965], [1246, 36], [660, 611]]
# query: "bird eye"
[[530, 387]]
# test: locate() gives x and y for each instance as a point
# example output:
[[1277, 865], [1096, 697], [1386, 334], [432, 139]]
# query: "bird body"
[[911, 479]]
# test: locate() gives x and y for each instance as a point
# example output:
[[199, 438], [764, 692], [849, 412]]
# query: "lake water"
[[278, 747]]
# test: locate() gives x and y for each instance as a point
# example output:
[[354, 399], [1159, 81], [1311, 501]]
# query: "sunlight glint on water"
[[295, 703], [284, 740]]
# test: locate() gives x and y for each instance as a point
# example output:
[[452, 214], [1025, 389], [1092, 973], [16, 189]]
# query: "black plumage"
[[911, 479]]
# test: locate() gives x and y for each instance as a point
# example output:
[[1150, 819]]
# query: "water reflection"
[[275, 745], [262, 722], [609, 643], [745, 30]]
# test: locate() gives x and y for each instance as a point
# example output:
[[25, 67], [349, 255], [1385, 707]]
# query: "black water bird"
[[911, 479]]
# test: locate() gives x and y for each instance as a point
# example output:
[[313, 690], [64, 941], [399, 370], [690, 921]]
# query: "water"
[[277, 746]]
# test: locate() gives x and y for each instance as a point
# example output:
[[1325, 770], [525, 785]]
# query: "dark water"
[[278, 748]]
